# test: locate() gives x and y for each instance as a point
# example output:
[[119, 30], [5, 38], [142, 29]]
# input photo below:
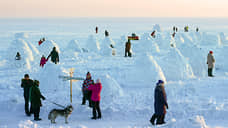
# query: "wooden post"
[[71, 75]]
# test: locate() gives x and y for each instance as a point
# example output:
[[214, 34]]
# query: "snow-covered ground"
[[195, 101]]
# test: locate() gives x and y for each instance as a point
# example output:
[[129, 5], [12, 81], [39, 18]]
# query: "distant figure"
[[160, 103], [41, 41], [128, 48], [54, 56], [26, 84], [43, 61], [186, 29], [197, 29], [174, 28], [35, 99], [210, 62], [96, 29], [96, 91], [18, 56], [86, 93], [153, 34], [173, 35], [106, 33]]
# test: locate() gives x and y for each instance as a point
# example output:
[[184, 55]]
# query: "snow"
[[127, 97]]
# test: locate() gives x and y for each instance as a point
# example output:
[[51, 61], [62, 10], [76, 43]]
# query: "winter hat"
[[211, 52], [36, 82], [160, 82], [26, 75]]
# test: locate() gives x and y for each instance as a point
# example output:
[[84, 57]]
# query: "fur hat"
[[98, 81]]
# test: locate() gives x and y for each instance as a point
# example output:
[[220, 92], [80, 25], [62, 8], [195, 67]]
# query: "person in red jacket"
[[43, 61], [96, 90]]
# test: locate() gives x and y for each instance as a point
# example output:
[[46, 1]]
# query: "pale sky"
[[113, 8]]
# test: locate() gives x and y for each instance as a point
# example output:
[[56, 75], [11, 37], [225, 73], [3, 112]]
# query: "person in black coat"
[[54, 56], [26, 84], [35, 96], [160, 104]]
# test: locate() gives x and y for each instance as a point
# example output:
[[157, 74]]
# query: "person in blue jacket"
[[160, 103]]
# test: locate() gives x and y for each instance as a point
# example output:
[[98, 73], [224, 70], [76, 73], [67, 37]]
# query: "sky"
[[113, 8]]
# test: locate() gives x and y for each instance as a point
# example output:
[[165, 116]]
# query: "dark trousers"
[[160, 119], [86, 96], [96, 109], [36, 111], [127, 53], [210, 71], [27, 105]]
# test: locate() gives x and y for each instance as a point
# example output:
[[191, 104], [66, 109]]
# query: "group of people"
[[91, 93], [32, 96], [54, 57]]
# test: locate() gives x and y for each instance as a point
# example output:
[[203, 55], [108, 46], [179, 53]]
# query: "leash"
[[55, 103]]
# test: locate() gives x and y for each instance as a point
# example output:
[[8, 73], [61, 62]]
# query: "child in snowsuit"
[[18, 56], [160, 104], [153, 34], [96, 90], [35, 96], [43, 61]]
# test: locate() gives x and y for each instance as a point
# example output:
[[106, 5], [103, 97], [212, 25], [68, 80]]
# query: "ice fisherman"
[[54, 56], [26, 84], [86, 93], [18, 56], [210, 63], [95, 98], [160, 103], [35, 96], [43, 61], [128, 49]]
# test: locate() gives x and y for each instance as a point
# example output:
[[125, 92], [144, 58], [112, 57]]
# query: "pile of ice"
[[146, 70], [21, 35], [72, 49], [209, 39], [223, 38], [174, 62], [106, 49], [92, 44], [49, 77]]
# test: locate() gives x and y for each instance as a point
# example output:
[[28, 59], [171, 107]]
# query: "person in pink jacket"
[[43, 61], [96, 90]]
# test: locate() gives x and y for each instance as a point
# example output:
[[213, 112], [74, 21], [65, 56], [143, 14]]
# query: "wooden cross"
[[72, 79]]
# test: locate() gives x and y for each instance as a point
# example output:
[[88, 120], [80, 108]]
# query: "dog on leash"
[[60, 112]]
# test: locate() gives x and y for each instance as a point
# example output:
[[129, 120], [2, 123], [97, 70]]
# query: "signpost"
[[72, 79]]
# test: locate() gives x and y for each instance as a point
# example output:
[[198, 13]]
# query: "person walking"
[[54, 56], [86, 93], [35, 96], [128, 48], [160, 103], [96, 29], [210, 63], [96, 90], [26, 84]]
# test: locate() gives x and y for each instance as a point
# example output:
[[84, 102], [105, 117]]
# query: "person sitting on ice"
[[106, 33], [210, 63], [18, 56], [43, 61], [153, 34], [95, 98], [54, 56], [41, 41], [86, 93], [186, 29], [160, 103]]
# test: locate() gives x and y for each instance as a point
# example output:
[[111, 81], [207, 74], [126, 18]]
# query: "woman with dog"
[[96, 91], [35, 96]]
